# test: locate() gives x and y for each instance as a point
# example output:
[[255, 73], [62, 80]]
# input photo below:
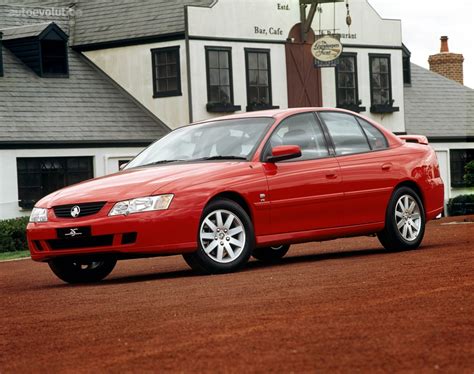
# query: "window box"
[[262, 106], [352, 107], [222, 107], [384, 108]]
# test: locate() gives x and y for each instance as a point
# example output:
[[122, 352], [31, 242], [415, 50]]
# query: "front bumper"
[[142, 234]]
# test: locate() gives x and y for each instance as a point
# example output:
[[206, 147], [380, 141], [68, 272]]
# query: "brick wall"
[[446, 63], [449, 65]]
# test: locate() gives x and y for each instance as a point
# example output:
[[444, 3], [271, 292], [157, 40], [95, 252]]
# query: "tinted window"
[[346, 133], [376, 138], [38, 177], [219, 75], [459, 158], [301, 130], [166, 72]]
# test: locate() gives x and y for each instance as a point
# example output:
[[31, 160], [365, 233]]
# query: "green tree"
[[469, 174]]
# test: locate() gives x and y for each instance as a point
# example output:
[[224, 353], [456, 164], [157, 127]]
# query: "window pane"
[[252, 57], [172, 84], [263, 95], [160, 58], [263, 78], [383, 65], [224, 77], [162, 71], [376, 138], [262, 61], [162, 85], [223, 59], [225, 94], [253, 76], [171, 71], [375, 65], [253, 94], [214, 77], [345, 133], [213, 59], [214, 94], [171, 57]]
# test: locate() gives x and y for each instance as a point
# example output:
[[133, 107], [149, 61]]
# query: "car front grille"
[[77, 243], [86, 209]]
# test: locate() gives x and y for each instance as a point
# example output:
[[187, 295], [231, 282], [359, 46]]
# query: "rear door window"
[[374, 135], [346, 133]]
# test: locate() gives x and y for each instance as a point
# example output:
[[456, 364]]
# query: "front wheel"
[[270, 254], [225, 238], [404, 221], [81, 270]]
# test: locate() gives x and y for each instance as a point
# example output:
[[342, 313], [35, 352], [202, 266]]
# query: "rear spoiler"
[[420, 139]]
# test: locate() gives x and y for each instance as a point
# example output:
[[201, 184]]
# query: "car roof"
[[272, 113]]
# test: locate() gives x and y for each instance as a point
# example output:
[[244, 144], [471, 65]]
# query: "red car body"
[[292, 202]]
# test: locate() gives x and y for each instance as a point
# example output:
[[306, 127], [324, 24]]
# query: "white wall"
[[131, 68], [442, 152], [105, 161], [198, 72]]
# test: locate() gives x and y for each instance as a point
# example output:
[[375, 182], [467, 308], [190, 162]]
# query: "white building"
[[245, 30], [162, 64]]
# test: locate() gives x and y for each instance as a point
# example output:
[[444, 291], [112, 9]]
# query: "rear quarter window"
[[376, 139]]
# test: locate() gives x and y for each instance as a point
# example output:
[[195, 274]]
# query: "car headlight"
[[39, 215], [141, 204]]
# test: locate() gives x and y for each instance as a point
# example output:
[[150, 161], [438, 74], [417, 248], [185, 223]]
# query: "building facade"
[[216, 55]]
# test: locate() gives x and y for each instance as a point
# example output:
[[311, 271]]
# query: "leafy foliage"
[[13, 234], [460, 205], [469, 174]]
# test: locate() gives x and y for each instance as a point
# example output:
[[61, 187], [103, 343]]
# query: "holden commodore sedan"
[[222, 190]]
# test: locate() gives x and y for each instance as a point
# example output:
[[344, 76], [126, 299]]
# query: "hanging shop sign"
[[326, 49]]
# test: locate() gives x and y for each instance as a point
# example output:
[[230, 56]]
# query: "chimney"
[[446, 63]]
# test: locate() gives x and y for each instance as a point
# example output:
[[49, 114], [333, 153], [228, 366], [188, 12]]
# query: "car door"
[[304, 193], [367, 166]]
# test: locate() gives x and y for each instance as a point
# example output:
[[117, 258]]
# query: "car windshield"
[[220, 140]]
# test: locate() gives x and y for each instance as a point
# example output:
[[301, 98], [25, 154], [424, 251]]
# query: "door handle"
[[387, 166], [331, 175]]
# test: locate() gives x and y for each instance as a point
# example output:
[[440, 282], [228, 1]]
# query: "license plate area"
[[74, 232]]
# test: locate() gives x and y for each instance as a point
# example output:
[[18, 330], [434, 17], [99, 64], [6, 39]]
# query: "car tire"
[[225, 239], [404, 221], [270, 254], [81, 271]]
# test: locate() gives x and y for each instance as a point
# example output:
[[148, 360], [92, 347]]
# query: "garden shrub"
[[460, 205], [13, 234]]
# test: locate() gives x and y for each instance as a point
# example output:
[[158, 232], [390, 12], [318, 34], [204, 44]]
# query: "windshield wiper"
[[160, 162], [230, 157]]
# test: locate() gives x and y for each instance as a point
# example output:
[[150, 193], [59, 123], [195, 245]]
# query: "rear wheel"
[[81, 271], [404, 221], [270, 254], [225, 238]]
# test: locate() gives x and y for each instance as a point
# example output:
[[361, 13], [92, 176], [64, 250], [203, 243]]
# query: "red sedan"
[[244, 185]]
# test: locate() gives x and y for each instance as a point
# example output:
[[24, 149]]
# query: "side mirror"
[[284, 152]]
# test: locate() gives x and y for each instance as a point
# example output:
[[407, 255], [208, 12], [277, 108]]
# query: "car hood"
[[139, 182]]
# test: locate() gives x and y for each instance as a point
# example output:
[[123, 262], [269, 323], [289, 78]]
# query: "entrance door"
[[303, 79]]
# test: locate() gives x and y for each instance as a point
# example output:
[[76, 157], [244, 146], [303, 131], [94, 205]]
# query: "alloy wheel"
[[408, 217], [222, 236]]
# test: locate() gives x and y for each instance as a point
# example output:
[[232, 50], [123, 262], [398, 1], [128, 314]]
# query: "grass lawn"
[[14, 255]]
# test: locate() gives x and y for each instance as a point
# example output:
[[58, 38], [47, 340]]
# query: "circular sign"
[[326, 48]]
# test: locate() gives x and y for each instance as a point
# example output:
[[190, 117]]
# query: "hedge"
[[461, 205], [13, 234]]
